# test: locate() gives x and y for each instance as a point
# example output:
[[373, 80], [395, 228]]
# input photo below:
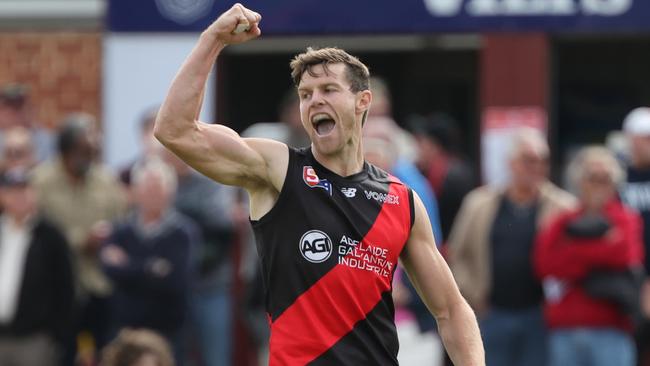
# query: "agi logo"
[[315, 246], [311, 179]]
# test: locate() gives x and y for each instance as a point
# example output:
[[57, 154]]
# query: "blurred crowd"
[[89, 256], [154, 264]]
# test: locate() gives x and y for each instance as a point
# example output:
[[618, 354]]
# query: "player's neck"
[[347, 162]]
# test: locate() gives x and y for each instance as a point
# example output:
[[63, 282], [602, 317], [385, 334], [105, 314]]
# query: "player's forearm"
[[178, 113], [461, 336]]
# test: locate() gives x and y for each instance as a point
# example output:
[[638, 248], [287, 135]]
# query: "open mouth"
[[323, 123]]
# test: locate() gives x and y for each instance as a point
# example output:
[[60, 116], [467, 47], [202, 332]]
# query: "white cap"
[[637, 122]]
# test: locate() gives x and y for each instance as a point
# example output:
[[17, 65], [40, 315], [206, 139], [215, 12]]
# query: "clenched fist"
[[237, 25]]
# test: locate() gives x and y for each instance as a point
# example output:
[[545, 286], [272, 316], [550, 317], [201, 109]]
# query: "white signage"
[[450, 8]]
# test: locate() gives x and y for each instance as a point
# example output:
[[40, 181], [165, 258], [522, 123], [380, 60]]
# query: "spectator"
[[137, 347], [636, 194], [450, 177], [382, 106], [148, 257], [16, 111], [17, 150], [586, 258], [382, 101], [80, 196], [150, 147], [210, 206], [36, 284], [490, 251]]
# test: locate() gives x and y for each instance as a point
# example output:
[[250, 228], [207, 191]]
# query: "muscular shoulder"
[[276, 159], [264, 194]]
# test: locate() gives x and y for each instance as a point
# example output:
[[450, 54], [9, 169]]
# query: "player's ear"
[[364, 98]]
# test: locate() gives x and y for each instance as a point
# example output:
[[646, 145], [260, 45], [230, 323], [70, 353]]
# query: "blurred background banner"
[[285, 17]]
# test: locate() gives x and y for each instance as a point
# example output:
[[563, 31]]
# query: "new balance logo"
[[349, 192]]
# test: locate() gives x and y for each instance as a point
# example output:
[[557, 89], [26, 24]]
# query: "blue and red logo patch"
[[311, 179]]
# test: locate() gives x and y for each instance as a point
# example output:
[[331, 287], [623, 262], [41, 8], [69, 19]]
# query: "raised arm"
[[216, 150], [432, 278]]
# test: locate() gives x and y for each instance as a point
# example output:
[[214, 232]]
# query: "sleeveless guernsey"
[[328, 251]]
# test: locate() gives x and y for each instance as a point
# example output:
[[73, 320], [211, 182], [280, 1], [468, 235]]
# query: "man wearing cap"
[[16, 111], [636, 193], [36, 284]]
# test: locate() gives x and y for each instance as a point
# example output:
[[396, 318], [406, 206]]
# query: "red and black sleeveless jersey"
[[328, 250]]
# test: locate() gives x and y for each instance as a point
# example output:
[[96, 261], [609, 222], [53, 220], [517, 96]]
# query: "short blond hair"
[[356, 72], [594, 154], [131, 345], [527, 136], [156, 166]]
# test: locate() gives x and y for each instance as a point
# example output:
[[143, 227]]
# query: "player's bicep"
[[426, 268], [221, 154]]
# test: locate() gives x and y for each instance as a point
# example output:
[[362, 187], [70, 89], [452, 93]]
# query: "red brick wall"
[[63, 70]]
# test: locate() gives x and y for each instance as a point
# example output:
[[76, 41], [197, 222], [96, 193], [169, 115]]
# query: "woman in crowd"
[[587, 259]]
